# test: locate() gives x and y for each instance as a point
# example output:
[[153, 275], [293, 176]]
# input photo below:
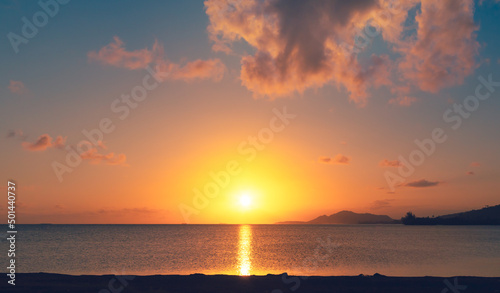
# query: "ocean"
[[323, 250]]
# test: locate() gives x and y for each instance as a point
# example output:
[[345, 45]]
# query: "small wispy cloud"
[[15, 134], [422, 183], [388, 163], [95, 157], [338, 159], [115, 54], [17, 87], [381, 204], [44, 142]]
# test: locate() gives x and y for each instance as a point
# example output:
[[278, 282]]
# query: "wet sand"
[[54, 283]]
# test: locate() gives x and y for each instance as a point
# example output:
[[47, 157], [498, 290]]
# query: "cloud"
[[381, 204], [60, 142], [295, 44], [443, 51], [471, 173], [422, 183], [341, 159], [387, 163], [44, 142], [325, 160], [403, 101], [202, 69], [67, 214], [95, 157], [302, 44], [15, 134], [128, 211], [102, 145], [338, 159], [115, 54], [17, 87], [475, 164]]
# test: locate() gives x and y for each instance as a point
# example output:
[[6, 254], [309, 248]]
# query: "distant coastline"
[[485, 216], [346, 218]]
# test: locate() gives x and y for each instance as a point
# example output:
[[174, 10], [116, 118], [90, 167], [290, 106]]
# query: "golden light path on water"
[[245, 250]]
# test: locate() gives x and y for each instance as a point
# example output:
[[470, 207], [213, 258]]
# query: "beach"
[[55, 283]]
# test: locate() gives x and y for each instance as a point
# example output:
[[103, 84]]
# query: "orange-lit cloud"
[[202, 69], [338, 159], [115, 54], [422, 183], [300, 44], [60, 142], [475, 164], [43, 142], [102, 145], [443, 52], [404, 101], [296, 44], [325, 160], [16, 87], [95, 157], [388, 163], [381, 204]]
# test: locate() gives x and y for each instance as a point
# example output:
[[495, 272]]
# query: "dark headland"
[[54, 283], [485, 216], [347, 218]]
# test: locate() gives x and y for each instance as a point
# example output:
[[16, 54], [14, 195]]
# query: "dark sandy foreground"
[[53, 283]]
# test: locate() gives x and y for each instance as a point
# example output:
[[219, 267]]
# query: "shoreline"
[[54, 283]]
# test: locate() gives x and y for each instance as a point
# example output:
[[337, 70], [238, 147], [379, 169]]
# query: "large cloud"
[[301, 44], [115, 54], [443, 52]]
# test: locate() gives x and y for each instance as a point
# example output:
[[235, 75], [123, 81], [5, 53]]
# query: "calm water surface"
[[259, 249]]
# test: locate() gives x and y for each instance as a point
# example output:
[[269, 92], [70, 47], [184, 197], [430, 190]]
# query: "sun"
[[245, 200]]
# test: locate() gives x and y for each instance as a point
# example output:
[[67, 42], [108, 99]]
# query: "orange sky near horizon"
[[192, 95]]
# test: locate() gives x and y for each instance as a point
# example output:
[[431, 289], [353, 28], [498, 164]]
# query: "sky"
[[223, 111]]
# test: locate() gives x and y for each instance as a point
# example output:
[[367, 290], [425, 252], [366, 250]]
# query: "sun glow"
[[245, 200]]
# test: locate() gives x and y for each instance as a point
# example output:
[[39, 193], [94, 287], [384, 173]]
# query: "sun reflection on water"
[[245, 250]]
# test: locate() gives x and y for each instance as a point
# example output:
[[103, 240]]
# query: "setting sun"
[[245, 200]]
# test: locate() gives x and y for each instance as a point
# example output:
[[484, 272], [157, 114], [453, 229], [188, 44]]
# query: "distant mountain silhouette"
[[485, 216], [348, 217]]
